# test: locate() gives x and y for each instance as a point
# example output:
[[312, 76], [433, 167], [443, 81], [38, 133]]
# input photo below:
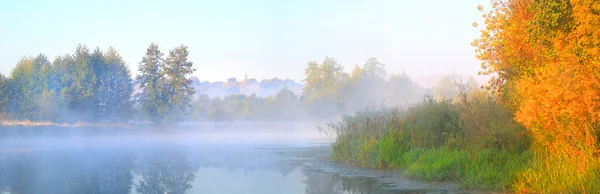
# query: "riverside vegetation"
[[534, 129], [472, 140]]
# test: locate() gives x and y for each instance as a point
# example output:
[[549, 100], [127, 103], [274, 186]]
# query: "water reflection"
[[164, 171], [167, 169], [73, 171]]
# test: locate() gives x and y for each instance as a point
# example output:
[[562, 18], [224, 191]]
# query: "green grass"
[[494, 169], [432, 141], [437, 165], [554, 174], [487, 169]]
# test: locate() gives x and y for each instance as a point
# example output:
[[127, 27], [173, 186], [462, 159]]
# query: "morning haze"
[[263, 39], [251, 97]]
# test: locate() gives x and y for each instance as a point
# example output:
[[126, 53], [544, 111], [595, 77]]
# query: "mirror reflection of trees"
[[164, 171], [152, 170]]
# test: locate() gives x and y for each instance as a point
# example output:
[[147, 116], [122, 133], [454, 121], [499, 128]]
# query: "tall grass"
[[559, 174], [437, 141]]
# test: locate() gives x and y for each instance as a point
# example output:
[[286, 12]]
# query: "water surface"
[[182, 163]]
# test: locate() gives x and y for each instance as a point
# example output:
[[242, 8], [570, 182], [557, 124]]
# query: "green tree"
[[167, 84], [150, 79], [116, 88], [62, 78], [21, 103], [79, 96], [323, 92], [403, 90], [44, 97], [200, 107], [287, 104], [215, 110], [98, 71], [3, 95], [374, 70], [366, 85], [178, 85], [81, 87]]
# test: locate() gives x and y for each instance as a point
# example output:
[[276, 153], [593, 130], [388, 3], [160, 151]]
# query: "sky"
[[260, 38]]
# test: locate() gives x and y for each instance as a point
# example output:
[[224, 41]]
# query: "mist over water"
[[276, 150], [193, 158], [83, 124], [236, 144]]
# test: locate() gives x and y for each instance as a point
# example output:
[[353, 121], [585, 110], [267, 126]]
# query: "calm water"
[[171, 164]]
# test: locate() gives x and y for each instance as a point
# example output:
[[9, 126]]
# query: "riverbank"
[[476, 144], [317, 159]]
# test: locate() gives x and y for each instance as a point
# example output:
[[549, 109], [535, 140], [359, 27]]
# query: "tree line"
[[84, 86], [328, 92], [97, 86]]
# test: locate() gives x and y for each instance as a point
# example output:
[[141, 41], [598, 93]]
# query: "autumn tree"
[[545, 58]]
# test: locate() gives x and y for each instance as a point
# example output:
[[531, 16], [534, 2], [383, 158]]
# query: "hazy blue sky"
[[263, 39]]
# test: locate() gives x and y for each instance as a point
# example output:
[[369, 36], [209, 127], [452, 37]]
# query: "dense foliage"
[[546, 58]]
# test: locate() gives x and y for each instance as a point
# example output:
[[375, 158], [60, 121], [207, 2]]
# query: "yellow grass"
[[48, 123]]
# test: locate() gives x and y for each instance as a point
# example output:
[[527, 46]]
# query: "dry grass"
[[47, 123]]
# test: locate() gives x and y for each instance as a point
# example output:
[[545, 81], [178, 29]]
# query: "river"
[[220, 161]]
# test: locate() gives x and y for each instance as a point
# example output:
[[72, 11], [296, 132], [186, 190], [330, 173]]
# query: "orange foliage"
[[545, 56]]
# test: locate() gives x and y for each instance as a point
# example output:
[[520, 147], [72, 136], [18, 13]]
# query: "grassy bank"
[[475, 142]]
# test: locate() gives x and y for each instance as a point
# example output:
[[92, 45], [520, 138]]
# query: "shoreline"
[[318, 159]]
